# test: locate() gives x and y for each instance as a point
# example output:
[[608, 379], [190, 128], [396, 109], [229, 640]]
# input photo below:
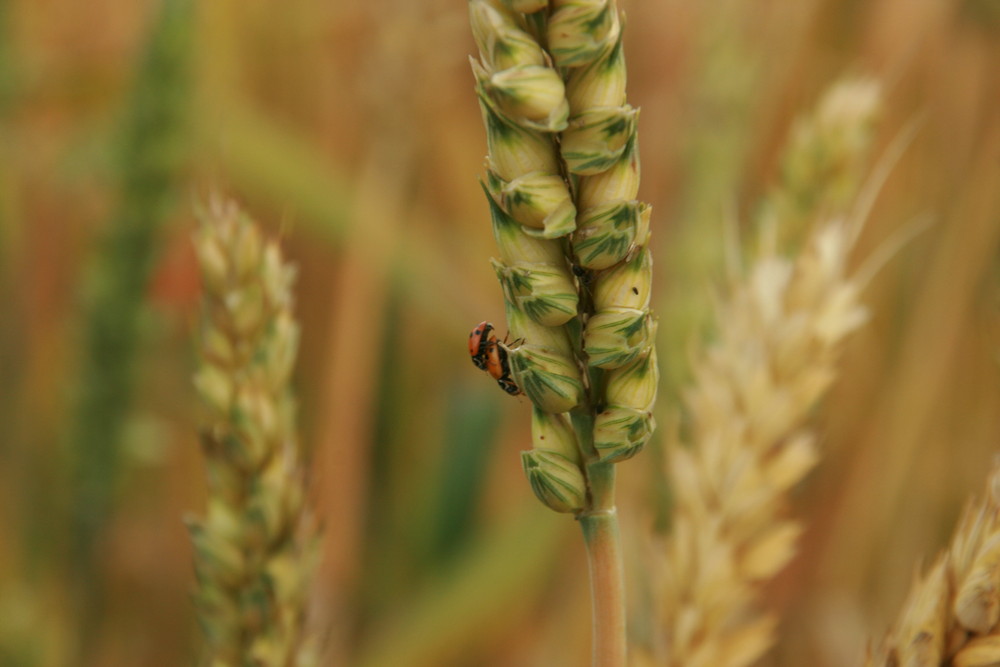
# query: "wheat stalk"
[[562, 180], [149, 166], [780, 330], [952, 614], [254, 549]]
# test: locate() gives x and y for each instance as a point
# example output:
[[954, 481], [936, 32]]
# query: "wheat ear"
[[562, 180], [254, 549], [780, 330], [952, 614]]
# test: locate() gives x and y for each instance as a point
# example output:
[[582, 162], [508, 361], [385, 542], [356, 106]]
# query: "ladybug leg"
[[506, 342]]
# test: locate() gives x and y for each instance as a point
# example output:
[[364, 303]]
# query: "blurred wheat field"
[[351, 129]]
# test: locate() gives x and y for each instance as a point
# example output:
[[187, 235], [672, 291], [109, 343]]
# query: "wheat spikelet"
[[952, 614], [254, 549]]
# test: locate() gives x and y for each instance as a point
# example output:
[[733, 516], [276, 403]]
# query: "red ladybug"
[[490, 355], [499, 368]]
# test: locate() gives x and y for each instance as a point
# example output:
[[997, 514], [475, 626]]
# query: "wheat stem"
[[607, 581], [605, 566]]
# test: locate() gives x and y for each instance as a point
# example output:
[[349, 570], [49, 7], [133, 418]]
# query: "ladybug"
[[490, 355], [480, 341], [509, 386], [499, 369]]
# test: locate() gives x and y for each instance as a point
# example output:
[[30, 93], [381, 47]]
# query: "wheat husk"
[[952, 614]]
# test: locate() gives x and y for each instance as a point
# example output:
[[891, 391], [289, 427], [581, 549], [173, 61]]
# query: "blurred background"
[[350, 130]]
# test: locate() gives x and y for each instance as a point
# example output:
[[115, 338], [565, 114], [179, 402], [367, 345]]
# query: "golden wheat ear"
[[952, 613], [781, 325]]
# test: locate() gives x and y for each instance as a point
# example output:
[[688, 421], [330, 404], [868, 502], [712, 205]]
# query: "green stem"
[[607, 580]]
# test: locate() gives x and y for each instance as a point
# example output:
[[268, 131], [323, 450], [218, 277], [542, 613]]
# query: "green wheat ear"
[[255, 548], [574, 268]]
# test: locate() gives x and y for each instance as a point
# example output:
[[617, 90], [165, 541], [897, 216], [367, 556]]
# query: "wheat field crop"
[[351, 132]]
